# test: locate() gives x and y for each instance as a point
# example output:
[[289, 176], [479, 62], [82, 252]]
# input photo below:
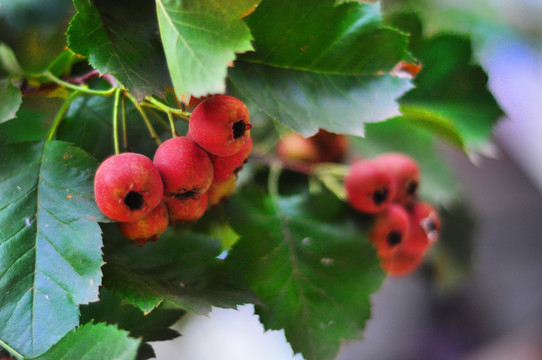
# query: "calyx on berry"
[[127, 187], [405, 173], [369, 188], [425, 224], [220, 124], [185, 168], [148, 228]]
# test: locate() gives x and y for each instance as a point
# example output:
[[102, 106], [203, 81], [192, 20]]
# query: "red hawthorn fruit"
[[294, 147], [404, 172], [224, 166], [127, 187], [391, 228], [148, 228], [220, 191], [331, 147], [401, 263], [368, 188], [220, 125], [425, 224], [186, 211], [186, 169]]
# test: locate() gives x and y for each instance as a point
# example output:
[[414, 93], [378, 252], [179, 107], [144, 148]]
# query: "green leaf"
[[200, 39], [10, 100], [94, 342], [400, 135], [306, 101], [451, 98], [181, 267], [121, 37], [324, 36], [63, 63], [8, 61], [50, 242], [151, 327], [312, 267]]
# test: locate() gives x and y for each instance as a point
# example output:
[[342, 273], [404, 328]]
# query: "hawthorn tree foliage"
[[72, 288]]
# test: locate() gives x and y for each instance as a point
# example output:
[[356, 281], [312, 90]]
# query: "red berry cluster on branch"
[[404, 227], [187, 175]]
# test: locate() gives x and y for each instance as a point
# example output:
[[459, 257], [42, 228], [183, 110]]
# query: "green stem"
[[185, 115], [11, 350], [124, 127], [81, 89], [157, 117], [273, 181], [60, 114], [174, 132], [145, 119], [116, 121]]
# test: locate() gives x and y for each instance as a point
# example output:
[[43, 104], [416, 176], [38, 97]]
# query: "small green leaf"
[[151, 327], [10, 100], [307, 101], [8, 61], [181, 267], [50, 242], [63, 63], [200, 39], [94, 342], [314, 270], [121, 38], [436, 182], [451, 94], [323, 36]]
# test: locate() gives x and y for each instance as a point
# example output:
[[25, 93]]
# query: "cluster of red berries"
[[404, 227], [187, 175]]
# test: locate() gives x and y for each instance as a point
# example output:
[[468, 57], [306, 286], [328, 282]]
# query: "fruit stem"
[[174, 132], [152, 132], [11, 351], [116, 121], [60, 114], [124, 127], [273, 180], [158, 105], [82, 89]]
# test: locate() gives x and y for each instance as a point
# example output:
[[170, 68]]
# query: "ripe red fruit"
[[425, 224], [220, 191], [401, 263], [391, 228], [331, 147], [148, 228], [186, 169], [127, 187], [294, 147], [220, 125], [405, 173], [186, 211], [368, 187], [224, 166]]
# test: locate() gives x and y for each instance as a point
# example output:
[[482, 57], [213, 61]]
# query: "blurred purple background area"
[[494, 312]]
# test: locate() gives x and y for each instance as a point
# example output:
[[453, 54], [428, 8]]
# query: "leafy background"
[[313, 278]]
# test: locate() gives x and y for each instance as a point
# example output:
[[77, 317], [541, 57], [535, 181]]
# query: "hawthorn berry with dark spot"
[[369, 188], [127, 187], [221, 125]]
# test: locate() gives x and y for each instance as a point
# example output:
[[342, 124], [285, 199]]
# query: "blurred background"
[[492, 310]]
